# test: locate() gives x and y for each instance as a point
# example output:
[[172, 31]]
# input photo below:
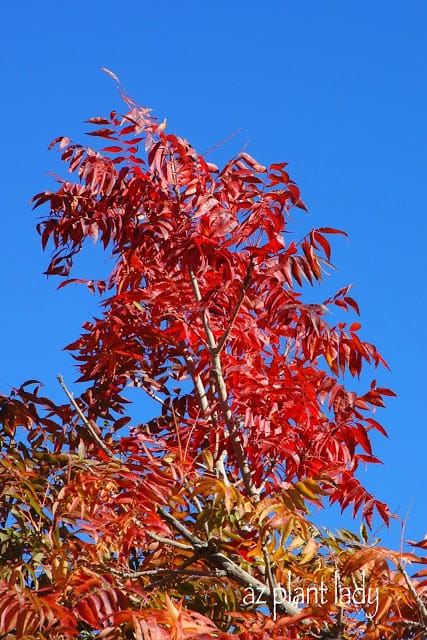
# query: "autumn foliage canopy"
[[194, 521]]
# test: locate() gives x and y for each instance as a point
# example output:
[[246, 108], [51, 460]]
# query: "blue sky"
[[337, 89]]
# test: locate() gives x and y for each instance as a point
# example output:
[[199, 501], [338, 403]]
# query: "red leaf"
[[330, 230], [112, 149], [98, 120], [61, 140], [353, 304], [103, 133], [317, 238], [252, 163]]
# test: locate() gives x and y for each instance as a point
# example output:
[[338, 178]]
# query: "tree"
[[195, 523]]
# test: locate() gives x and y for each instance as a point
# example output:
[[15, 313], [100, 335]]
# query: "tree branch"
[[246, 284], [204, 404], [157, 583], [153, 572], [218, 560], [196, 542], [421, 606], [172, 543], [101, 444], [223, 398], [271, 579], [197, 381]]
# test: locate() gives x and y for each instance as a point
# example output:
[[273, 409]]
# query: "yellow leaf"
[[308, 493], [309, 551]]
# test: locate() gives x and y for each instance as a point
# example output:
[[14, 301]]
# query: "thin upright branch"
[[271, 579], [223, 398], [212, 418], [101, 444], [200, 510], [220, 467], [198, 296], [421, 606], [340, 624], [239, 303], [197, 381]]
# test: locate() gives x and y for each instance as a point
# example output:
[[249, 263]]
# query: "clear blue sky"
[[337, 89]]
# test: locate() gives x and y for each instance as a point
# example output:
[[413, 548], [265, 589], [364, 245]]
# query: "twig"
[[223, 397], [198, 384], [156, 583], [172, 543], [421, 606], [239, 303], [219, 144], [200, 510], [220, 468], [271, 579], [87, 424], [196, 542], [339, 627], [152, 395], [149, 391], [204, 405], [217, 573]]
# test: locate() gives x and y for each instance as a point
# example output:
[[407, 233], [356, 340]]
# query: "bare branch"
[[101, 444], [200, 510], [246, 284], [223, 398], [271, 579], [217, 573], [168, 578], [198, 384], [196, 542], [421, 606], [220, 468], [172, 543]]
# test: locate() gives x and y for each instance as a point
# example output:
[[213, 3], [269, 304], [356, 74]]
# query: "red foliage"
[[204, 311]]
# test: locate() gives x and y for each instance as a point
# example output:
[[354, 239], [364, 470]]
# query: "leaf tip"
[[111, 74]]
